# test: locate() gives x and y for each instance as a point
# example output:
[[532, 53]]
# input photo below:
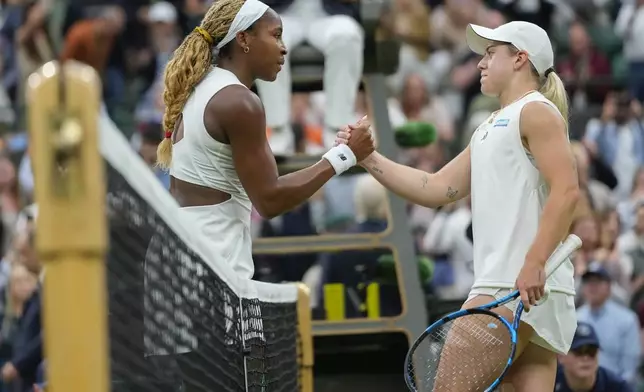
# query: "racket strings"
[[466, 354]]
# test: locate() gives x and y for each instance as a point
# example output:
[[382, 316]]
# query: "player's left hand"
[[342, 137], [344, 134], [531, 283]]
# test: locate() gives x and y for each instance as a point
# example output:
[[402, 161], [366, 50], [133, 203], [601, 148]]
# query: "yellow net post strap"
[[63, 103], [305, 335]]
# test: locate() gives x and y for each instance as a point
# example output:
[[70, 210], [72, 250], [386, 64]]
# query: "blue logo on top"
[[501, 123]]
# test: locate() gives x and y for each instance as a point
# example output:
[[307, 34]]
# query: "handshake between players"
[[359, 138]]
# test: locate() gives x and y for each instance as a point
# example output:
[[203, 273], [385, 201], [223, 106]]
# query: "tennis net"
[[179, 319]]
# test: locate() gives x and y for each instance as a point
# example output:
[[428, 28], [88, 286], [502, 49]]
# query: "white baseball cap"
[[525, 36], [162, 12]]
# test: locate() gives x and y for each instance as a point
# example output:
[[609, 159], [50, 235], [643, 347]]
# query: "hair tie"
[[168, 134], [206, 35], [548, 71]]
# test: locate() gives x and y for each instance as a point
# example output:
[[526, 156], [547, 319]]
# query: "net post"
[[305, 337], [71, 234]]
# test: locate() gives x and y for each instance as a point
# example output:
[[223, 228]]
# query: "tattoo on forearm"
[[451, 193], [424, 180], [377, 169]]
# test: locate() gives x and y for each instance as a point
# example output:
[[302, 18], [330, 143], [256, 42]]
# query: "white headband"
[[247, 15]]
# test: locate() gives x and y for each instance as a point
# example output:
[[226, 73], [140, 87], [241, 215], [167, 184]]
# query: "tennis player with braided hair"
[[519, 170], [215, 144]]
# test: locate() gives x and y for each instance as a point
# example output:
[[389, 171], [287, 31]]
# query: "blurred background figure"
[[579, 370], [330, 27], [617, 326], [617, 138]]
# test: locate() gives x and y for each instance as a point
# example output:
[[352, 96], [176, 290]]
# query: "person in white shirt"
[[519, 170], [448, 234]]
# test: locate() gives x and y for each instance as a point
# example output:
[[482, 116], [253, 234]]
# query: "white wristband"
[[341, 158]]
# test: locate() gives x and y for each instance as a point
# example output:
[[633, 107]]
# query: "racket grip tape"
[[558, 257], [561, 254]]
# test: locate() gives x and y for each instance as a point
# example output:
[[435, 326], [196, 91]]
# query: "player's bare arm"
[[545, 135], [449, 184], [245, 126], [243, 118]]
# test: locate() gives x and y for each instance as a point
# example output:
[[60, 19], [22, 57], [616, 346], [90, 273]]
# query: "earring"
[[246, 49]]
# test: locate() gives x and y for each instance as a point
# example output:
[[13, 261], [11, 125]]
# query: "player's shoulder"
[[235, 104], [238, 97], [540, 110], [540, 116]]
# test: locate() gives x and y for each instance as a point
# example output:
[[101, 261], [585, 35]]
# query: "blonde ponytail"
[[190, 63], [555, 91]]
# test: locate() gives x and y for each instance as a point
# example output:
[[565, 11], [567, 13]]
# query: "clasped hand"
[[358, 137]]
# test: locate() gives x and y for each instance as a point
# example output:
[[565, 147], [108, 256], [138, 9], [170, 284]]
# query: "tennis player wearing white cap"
[[519, 170]]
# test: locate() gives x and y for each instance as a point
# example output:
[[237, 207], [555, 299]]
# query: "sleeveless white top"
[[199, 159], [508, 196]]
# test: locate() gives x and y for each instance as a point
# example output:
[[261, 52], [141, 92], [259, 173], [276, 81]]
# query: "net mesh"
[[466, 354], [178, 319]]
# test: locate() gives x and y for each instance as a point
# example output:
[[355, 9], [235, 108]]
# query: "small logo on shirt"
[[342, 157], [501, 123], [484, 135]]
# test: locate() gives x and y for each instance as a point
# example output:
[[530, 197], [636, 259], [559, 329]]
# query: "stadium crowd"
[[129, 42]]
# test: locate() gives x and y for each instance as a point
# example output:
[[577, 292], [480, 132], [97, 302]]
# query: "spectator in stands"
[[409, 22], [617, 138], [150, 137], [15, 292], [417, 103], [448, 23], [331, 27], [539, 12], [90, 41], [617, 327], [9, 199], [41, 384], [596, 197], [22, 284], [630, 27], [608, 254], [631, 245], [7, 112], [585, 70], [626, 208], [164, 31], [579, 370], [32, 42], [447, 236], [21, 370]]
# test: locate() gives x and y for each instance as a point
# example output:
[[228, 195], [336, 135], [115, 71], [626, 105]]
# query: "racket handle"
[[561, 254], [543, 299]]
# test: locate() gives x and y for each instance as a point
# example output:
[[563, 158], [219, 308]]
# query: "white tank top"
[[508, 196], [199, 159]]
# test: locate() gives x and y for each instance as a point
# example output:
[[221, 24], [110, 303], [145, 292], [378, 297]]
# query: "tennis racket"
[[472, 349]]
